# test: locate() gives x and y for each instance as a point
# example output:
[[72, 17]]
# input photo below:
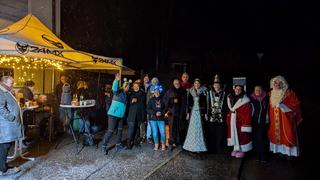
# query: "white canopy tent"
[[29, 45]]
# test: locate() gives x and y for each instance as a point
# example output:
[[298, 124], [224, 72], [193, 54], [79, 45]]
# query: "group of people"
[[206, 118], [199, 118]]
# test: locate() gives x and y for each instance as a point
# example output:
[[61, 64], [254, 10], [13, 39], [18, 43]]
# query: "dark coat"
[[58, 91], [178, 108], [137, 109], [27, 93], [259, 110], [152, 108]]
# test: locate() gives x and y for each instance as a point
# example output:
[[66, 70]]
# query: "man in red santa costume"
[[285, 116], [239, 119]]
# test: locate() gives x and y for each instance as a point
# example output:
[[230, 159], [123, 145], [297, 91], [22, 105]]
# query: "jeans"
[[155, 125], [113, 123], [149, 130], [64, 113], [4, 149]]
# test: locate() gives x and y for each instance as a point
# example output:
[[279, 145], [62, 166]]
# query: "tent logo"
[[52, 41], [103, 60], [22, 48]]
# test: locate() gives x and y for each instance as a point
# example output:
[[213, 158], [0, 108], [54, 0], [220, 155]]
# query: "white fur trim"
[[234, 140], [281, 148], [246, 129], [284, 108], [246, 147], [242, 101]]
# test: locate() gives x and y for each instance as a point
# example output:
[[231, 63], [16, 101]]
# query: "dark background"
[[210, 37]]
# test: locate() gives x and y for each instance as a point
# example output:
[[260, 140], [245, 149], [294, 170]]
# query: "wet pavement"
[[144, 163], [203, 166]]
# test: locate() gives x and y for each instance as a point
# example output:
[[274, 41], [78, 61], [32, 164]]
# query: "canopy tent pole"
[[120, 72], [53, 80]]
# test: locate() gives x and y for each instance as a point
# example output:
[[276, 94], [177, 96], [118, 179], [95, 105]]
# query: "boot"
[[170, 148], [104, 149]]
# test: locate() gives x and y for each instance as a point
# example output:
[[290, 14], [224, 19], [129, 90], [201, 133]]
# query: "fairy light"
[[29, 62]]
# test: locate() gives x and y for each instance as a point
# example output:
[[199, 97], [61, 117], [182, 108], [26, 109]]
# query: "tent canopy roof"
[[30, 38]]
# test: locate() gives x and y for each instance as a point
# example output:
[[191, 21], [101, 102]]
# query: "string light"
[[22, 62]]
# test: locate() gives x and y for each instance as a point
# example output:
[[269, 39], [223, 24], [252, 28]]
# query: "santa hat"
[[240, 81]]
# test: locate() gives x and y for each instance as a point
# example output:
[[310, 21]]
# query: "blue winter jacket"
[[119, 101]]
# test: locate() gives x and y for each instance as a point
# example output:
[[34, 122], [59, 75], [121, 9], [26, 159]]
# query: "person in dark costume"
[[175, 102], [260, 123], [136, 114], [215, 128]]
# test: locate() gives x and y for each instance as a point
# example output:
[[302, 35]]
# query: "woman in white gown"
[[197, 107]]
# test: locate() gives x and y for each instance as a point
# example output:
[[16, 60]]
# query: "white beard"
[[277, 97]]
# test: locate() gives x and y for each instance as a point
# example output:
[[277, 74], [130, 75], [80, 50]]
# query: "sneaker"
[[10, 171], [233, 153], [150, 141], [239, 154], [138, 146], [156, 147], [128, 148], [104, 149]]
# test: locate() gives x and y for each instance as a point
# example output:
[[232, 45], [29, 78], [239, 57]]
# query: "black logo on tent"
[[102, 60], [52, 41], [22, 48]]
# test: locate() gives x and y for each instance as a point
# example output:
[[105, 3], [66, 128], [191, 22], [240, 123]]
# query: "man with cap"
[[239, 119], [215, 125], [116, 112]]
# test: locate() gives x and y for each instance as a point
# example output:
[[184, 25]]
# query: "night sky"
[[211, 36]]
